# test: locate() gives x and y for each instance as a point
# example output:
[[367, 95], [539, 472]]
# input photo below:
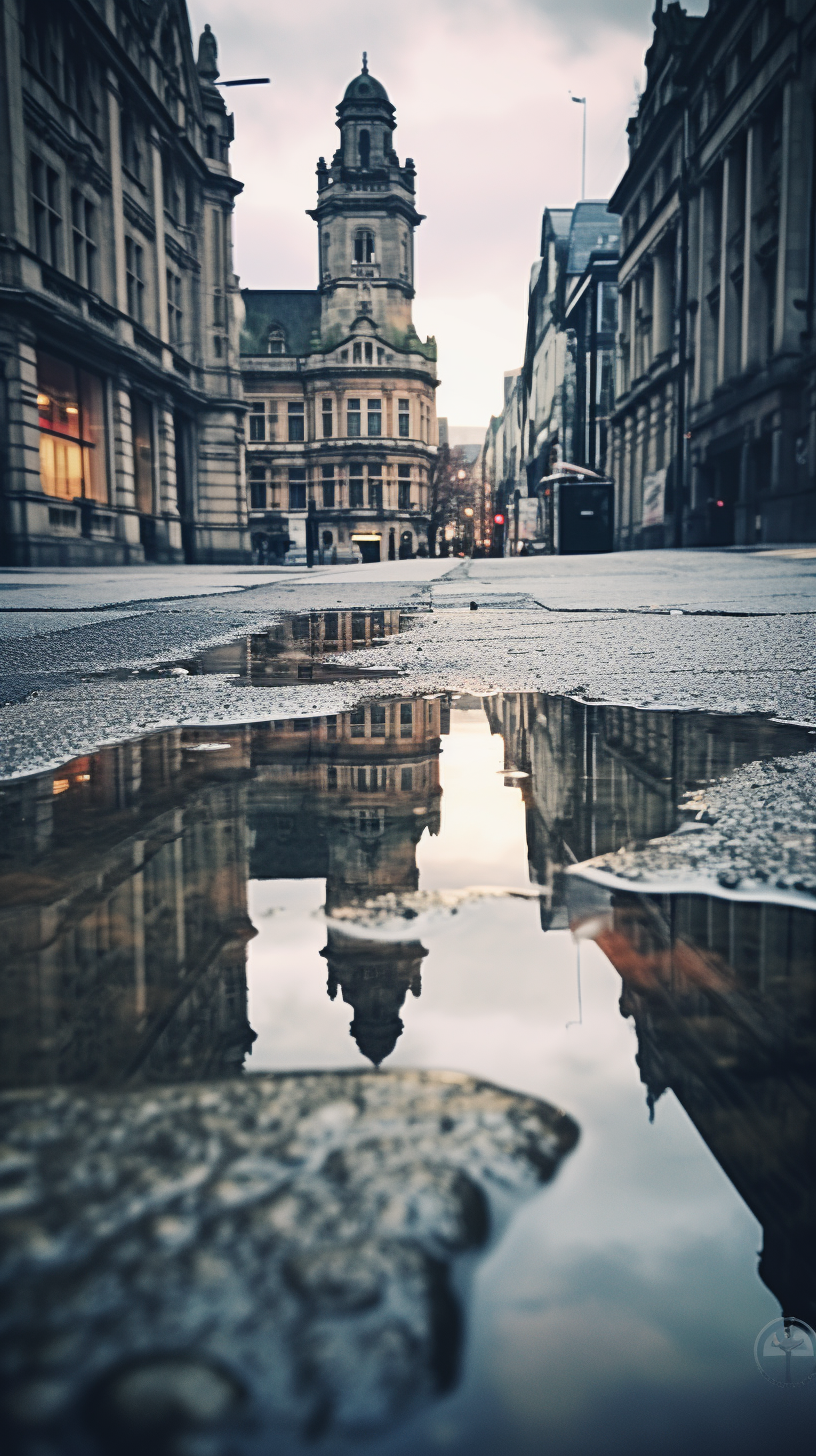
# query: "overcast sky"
[[481, 89]]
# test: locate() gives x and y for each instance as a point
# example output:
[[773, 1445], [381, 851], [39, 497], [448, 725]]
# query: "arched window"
[[364, 246], [277, 340], [365, 149]]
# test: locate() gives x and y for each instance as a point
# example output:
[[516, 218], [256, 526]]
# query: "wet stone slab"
[[288, 1239]]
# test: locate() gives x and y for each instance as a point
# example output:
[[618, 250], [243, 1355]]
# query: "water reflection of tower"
[[348, 798], [124, 915], [723, 997]]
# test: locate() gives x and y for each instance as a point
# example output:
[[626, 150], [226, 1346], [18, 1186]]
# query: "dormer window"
[[277, 340], [365, 150], [364, 246]]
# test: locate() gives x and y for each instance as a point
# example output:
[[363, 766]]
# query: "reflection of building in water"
[[295, 647], [723, 997], [348, 798], [123, 912], [602, 777], [123, 887]]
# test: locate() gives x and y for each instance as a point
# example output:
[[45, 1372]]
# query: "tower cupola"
[[367, 122]]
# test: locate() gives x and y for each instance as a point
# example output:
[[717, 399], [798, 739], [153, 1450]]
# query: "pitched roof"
[[295, 310], [593, 226]]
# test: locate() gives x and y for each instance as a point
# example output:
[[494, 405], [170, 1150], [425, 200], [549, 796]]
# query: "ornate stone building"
[[121, 416], [342, 418], [715, 424]]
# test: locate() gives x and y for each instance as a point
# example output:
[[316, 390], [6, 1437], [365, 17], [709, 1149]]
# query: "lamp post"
[[582, 101]]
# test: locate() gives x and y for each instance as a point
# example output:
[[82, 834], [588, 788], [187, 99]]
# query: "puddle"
[[298, 649], [322, 1254]]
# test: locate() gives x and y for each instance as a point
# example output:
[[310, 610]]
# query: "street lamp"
[[582, 101]]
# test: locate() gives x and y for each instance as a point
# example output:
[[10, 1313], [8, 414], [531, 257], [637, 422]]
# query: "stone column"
[[160, 252], [118, 216], [168, 493], [661, 302], [792, 267], [751, 341], [726, 223], [633, 348]]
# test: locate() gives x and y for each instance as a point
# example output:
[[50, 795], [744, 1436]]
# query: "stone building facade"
[[570, 346], [715, 422], [121, 415], [340, 389]]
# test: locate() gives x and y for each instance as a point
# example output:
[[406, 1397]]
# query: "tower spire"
[[365, 63]]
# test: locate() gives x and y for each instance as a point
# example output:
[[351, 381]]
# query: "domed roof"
[[365, 88]]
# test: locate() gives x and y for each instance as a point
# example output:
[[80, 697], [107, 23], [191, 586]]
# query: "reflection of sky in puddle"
[[623, 1300]]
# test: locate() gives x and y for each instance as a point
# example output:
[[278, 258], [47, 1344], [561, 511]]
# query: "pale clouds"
[[481, 91]]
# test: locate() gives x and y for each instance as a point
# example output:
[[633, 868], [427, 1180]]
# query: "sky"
[[481, 89]]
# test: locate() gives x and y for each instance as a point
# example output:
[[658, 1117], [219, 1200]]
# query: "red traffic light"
[[499, 518]]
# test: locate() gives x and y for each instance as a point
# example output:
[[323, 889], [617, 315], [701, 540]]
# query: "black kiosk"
[[578, 511]]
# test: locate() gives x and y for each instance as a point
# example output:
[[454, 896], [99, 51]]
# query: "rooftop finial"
[[365, 63]]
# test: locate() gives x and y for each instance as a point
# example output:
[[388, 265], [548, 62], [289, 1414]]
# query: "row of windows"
[[360, 353], [263, 419], [331, 488]]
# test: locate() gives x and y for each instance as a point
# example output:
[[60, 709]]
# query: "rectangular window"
[[175, 317], [257, 421], [328, 429], [404, 487], [406, 720], [375, 492], [406, 780], [70, 405], [131, 153], [328, 485], [369, 353], [378, 720], [375, 417], [257, 489], [45, 200], [356, 485], [358, 723], [297, 490], [331, 774], [296, 422], [353, 418], [83, 222], [142, 423], [381, 356], [134, 276], [404, 418], [356, 353]]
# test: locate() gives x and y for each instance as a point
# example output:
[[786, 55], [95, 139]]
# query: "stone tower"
[[366, 216]]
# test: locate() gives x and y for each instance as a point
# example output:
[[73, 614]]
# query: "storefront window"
[[70, 405]]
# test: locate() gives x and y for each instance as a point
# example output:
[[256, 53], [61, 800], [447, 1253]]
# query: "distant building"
[[341, 390], [570, 348], [714, 426], [121, 415]]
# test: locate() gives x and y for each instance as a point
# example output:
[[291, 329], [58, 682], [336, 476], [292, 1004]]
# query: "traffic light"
[[497, 549]]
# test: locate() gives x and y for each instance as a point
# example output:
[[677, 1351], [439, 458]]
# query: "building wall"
[[714, 431], [331, 461], [115, 263]]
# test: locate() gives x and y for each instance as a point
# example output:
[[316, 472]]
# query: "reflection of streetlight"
[[461, 475], [468, 510]]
